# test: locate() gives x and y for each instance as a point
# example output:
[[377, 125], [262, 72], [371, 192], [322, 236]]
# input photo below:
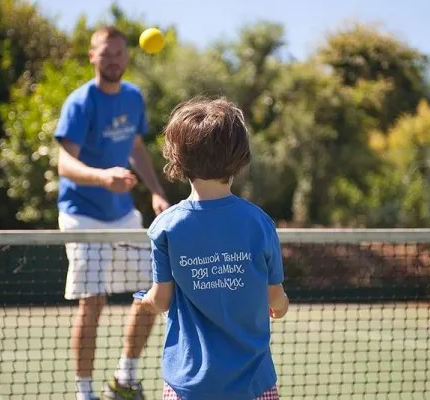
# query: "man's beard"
[[110, 77]]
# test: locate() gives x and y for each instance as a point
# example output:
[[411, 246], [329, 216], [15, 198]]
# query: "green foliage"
[[362, 53], [80, 39], [254, 66], [396, 194], [26, 40], [340, 139], [317, 135], [406, 153], [28, 154], [408, 142]]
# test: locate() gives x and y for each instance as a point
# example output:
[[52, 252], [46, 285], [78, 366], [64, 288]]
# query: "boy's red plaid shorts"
[[271, 394]]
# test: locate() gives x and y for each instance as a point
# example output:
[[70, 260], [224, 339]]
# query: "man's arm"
[[140, 160], [70, 167], [116, 179]]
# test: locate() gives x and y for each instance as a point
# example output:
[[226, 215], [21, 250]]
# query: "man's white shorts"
[[102, 268]]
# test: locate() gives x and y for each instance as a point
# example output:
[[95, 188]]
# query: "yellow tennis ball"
[[151, 40]]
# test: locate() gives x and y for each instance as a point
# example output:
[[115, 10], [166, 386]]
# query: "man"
[[100, 132]]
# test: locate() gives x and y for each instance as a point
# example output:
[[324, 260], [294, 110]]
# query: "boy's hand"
[[146, 304], [277, 313]]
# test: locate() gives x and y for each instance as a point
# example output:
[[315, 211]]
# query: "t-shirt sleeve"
[[274, 259], [73, 123], [161, 269], [142, 128]]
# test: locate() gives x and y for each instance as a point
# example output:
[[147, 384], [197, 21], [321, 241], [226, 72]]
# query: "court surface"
[[321, 351]]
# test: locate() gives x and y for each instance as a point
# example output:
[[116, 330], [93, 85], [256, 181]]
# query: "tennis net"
[[358, 325]]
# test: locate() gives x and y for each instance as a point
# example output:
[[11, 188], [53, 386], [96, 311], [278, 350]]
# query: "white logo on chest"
[[120, 129]]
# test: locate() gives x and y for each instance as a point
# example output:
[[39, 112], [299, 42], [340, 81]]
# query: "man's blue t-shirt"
[[104, 126], [222, 255]]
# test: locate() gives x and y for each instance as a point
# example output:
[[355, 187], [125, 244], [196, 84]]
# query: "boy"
[[217, 264]]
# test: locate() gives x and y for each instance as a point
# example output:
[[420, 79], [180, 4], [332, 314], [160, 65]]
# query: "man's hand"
[[159, 203], [118, 179]]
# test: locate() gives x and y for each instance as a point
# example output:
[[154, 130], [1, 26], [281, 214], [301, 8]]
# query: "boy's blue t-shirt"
[[222, 255], [104, 126]]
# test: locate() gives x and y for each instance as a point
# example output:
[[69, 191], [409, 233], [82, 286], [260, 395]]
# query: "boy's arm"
[[278, 301], [159, 297]]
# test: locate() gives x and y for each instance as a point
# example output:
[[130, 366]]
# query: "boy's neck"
[[209, 190]]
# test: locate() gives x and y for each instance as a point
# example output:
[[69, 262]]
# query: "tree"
[[28, 154], [363, 53], [406, 151], [398, 193], [315, 126], [316, 135], [238, 70], [252, 64], [27, 39]]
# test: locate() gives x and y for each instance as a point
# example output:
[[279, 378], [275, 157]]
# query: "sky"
[[203, 22]]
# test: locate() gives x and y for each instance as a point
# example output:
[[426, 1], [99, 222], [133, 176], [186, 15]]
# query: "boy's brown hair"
[[106, 32], [206, 139]]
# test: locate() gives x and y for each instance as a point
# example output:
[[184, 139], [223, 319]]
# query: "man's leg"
[[125, 386], [131, 272], [136, 332], [83, 343], [86, 282], [85, 277], [84, 333]]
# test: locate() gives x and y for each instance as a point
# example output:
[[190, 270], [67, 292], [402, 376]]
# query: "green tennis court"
[[322, 351]]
